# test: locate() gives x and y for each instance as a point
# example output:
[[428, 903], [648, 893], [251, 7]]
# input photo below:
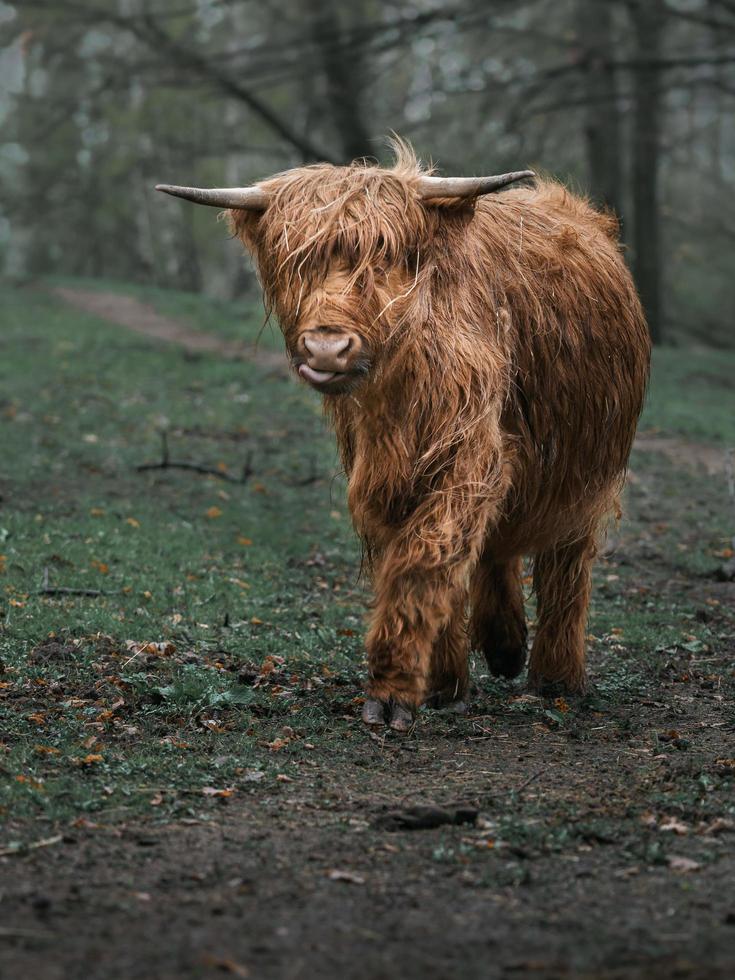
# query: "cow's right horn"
[[239, 198], [434, 187]]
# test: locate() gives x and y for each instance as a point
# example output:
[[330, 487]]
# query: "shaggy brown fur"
[[504, 365]]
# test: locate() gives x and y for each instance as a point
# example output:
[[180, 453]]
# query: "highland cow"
[[483, 358]]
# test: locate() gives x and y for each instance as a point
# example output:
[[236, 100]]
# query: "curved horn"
[[240, 198], [432, 187]]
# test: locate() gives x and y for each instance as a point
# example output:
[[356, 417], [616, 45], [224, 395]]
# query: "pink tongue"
[[317, 377]]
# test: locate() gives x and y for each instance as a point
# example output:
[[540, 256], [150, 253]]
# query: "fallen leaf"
[[719, 825], [132, 522], [347, 876], [211, 791], [683, 864], [245, 542], [213, 513], [675, 826], [225, 965], [30, 781], [277, 744]]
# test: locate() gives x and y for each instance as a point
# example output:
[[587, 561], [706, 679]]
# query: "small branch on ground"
[[167, 463], [24, 848], [52, 590]]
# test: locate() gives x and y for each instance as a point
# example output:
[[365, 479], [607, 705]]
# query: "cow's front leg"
[[421, 589], [412, 610]]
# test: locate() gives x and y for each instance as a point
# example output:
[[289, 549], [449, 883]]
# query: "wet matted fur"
[[506, 362]]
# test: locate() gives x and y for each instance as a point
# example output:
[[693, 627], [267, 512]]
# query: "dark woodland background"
[[630, 101]]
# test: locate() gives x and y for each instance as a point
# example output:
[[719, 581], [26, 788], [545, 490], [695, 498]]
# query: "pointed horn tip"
[[169, 189]]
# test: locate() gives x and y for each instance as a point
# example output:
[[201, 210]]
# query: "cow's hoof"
[[401, 719], [376, 714], [446, 704]]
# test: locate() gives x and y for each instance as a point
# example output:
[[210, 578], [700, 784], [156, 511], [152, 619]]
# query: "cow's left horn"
[[240, 198], [433, 187]]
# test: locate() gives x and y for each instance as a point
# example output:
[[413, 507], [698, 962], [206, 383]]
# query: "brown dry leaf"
[[91, 759], [561, 705], [46, 750], [212, 725], [132, 522], [277, 744], [245, 542], [97, 512], [163, 649], [225, 965], [213, 513], [223, 793], [719, 825], [102, 567], [85, 823], [675, 826], [30, 781], [283, 778], [682, 864], [350, 877]]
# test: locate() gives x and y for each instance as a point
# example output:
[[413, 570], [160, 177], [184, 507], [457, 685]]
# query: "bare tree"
[[602, 114], [648, 20]]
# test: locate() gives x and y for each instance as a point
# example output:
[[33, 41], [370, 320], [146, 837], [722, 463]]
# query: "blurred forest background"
[[630, 101]]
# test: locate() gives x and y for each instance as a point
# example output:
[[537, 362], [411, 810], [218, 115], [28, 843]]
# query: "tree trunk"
[[602, 113], [343, 73], [647, 18]]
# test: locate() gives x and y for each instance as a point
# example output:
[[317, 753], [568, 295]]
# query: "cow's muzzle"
[[330, 358]]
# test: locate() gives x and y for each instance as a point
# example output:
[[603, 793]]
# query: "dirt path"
[[141, 318], [684, 452]]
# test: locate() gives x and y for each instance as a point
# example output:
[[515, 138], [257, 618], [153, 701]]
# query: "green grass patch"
[[206, 634]]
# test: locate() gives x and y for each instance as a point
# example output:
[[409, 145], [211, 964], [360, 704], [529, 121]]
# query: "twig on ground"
[[167, 463], [527, 782], [52, 590], [24, 848]]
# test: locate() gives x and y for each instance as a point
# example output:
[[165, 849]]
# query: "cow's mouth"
[[315, 377]]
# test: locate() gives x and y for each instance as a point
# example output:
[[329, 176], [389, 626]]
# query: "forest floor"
[[186, 789]]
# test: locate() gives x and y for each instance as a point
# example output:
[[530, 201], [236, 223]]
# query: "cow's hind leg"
[[561, 579], [449, 677], [498, 625]]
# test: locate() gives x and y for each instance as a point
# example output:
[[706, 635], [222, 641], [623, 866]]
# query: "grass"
[[224, 645], [692, 394]]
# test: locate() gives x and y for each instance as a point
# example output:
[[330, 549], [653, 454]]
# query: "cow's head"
[[339, 254]]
